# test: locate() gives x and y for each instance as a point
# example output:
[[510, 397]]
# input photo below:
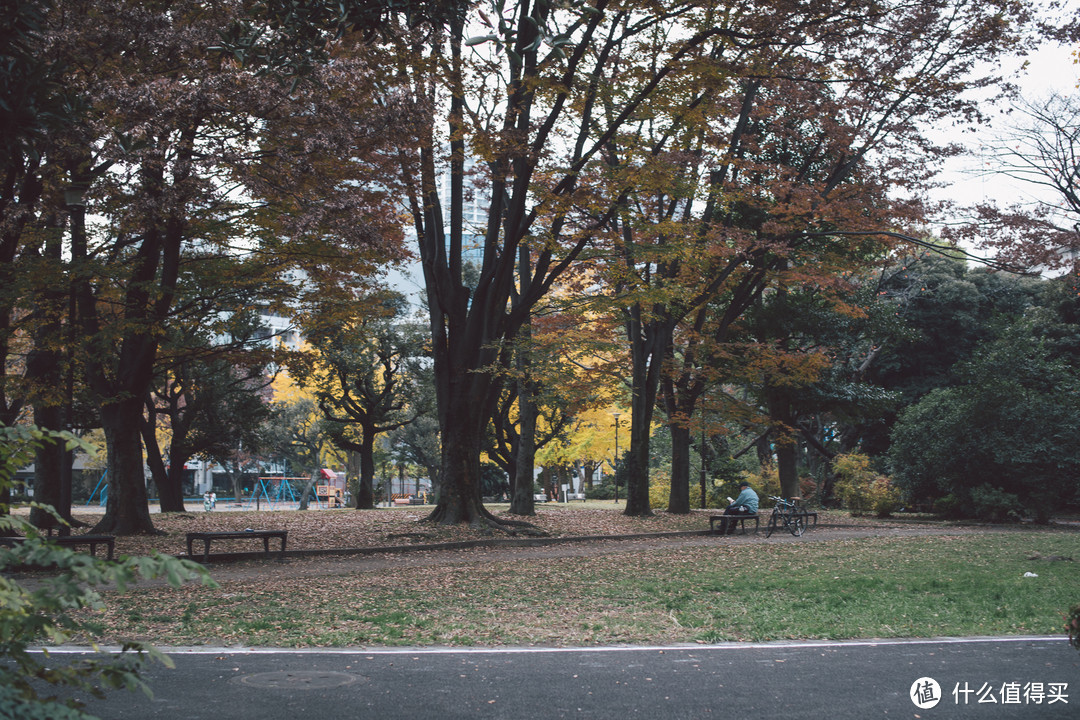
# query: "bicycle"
[[787, 514]]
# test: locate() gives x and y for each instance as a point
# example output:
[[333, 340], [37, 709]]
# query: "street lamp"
[[75, 202], [616, 414]]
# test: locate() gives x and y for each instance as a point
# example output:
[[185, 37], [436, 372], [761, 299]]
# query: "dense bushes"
[[862, 490], [45, 614], [1072, 626], [1005, 441]]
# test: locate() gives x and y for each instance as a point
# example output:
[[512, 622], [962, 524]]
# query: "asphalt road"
[[1024, 677]]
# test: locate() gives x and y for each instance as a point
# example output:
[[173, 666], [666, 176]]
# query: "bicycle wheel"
[[797, 524], [774, 520]]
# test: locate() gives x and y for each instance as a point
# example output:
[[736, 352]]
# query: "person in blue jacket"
[[745, 504]]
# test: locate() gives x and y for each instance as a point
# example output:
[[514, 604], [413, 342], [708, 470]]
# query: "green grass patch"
[[863, 588]]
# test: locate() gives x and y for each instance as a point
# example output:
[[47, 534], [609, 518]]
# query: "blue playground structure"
[[273, 490], [103, 487]]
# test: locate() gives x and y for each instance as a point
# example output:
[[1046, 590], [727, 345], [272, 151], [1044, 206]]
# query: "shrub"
[[808, 487], [949, 506], [45, 614], [600, 491], [1014, 416], [660, 490], [765, 481], [994, 504], [1072, 626], [861, 489]]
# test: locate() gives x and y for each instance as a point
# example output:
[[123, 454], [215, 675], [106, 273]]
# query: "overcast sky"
[[1051, 69]]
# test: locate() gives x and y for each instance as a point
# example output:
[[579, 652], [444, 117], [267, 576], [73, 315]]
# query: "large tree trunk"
[[126, 509], [365, 489], [522, 502], [44, 375], [787, 466], [679, 497], [635, 467], [785, 445], [171, 492], [705, 451], [305, 494], [459, 501], [168, 480], [48, 468], [647, 344]]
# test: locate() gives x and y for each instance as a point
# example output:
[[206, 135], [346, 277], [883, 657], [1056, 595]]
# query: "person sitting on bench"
[[745, 504]]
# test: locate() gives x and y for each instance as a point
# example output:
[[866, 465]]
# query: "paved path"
[[846, 680]]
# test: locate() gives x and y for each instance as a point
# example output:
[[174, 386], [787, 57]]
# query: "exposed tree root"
[[481, 520]]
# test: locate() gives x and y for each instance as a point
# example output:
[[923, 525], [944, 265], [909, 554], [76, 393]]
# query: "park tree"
[[559, 78], [1001, 440], [364, 372], [35, 108], [514, 104], [805, 178], [520, 96], [166, 143], [162, 123], [211, 395], [546, 389], [298, 433], [1040, 151], [930, 312]]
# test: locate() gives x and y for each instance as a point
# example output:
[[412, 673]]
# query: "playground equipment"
[[273, 490], [330, 495], [103, 487], [331, 488]]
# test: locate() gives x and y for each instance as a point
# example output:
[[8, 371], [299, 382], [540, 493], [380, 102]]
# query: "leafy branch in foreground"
[[43, 611], [1072, 625]]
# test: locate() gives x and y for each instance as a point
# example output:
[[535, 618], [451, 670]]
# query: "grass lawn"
[[875, 587]]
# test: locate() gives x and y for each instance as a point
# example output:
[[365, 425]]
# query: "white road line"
[[780, 645]]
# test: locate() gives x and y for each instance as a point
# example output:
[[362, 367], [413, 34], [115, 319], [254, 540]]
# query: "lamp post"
[[75, 202], [616, 414]]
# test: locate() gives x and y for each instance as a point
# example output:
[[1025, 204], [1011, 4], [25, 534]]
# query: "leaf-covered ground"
[[903, 583], [847, 578], [322, 529]]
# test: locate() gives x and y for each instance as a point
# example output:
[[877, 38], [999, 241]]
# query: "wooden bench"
[[208, 537], [92, 541], [740, 519]]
